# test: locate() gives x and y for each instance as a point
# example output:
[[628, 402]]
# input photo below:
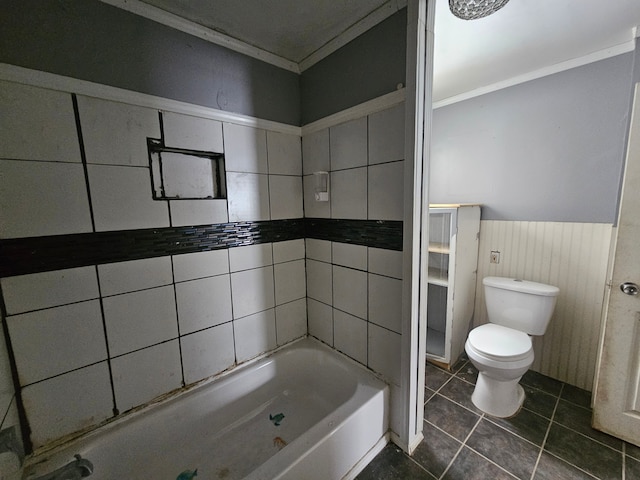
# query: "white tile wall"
[[252, 291], [285, 197], [318, 249], [320, 321], [290, 282], [349, 194], [385, 262], [198, 212], [140, 319], [315, 152], [190, 266], [313, 208], [255, 334], [123, 277], [116, 133], [247, 196], [193, 133], [350, 335], [42, 198], [350, 291], [384, 352], [203, 303], [207, 352], [319, 281], [291, 321], [24, 293], [385, 191], [251, 256], [141, 376], [37, 124], [288, 250], [245, 149], [386, 135], [348, 144], [56, 340], [67, 403], [122, 199], [349, 255], [285, 153], [385, 302]]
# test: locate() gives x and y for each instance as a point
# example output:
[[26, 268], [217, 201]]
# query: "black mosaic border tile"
[[370, 233], [21, 256]]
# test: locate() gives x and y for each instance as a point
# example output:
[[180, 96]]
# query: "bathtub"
[[304, 412]]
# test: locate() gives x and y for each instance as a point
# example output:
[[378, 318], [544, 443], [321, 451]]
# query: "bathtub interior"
[[231, 427]]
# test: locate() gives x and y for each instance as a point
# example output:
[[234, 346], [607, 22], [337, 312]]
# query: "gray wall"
[[551, 149], [369, 66], [90, 40]]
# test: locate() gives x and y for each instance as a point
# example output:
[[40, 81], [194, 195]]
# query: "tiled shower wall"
[[97, 340], [354, 291]]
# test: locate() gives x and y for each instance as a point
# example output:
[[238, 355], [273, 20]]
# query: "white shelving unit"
[[454, 232]]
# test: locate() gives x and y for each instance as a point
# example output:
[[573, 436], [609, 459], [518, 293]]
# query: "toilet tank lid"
[[519, 285]]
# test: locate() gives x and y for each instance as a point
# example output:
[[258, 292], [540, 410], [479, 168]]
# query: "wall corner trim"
[[52, 81]]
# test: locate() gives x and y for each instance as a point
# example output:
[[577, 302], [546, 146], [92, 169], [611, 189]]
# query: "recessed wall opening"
[[181, 174]]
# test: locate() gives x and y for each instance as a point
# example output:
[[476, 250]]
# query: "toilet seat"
[[500, 343]]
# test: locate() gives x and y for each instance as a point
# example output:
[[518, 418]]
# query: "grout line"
[[546, 435], [175, 300], [462, 445]]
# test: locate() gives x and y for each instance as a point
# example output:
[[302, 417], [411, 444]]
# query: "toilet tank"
[[520, 304]]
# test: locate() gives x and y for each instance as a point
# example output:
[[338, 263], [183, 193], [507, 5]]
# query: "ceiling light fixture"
[[473, 9]]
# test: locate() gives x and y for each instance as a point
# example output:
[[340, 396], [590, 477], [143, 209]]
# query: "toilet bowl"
[[502, 350]]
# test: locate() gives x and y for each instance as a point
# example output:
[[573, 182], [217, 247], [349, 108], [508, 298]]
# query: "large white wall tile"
[[318, 249], [252, 291], [141, 376], [385, 302], [349, 255], [56, 340], [24, 293], [385, 262], [320, 321], [122, 200], [385, 191], [67, 403], [313, 208], [203, 303], [140, 319], [250, 256], [386, 135], [315, 152], [285, 153], [116, 133], [349, 144], [37, 124], [385, 352], [198, 212], [207, 352], [190, 266], [288, 250], [192, 133], [350, 291], [247, 196], [348, 194], [350, 335], [245, 149], [290, 281], [123, 277], [255, 334], [291, 321], [285, 197], [319, 281], [42, 198]]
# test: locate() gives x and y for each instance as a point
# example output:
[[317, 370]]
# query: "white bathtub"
[[335, 421]]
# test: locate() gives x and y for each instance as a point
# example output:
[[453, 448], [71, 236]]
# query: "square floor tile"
[[454, 419], [460, 392], [468, 465], [526, 424], [393, 464], [542, 382], [579, 419], [552, 468], [435, 377], [436, 450]]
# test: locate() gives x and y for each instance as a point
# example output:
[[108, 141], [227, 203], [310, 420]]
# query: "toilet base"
[[498, 398]]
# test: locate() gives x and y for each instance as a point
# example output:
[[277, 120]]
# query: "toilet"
[[501, 350]]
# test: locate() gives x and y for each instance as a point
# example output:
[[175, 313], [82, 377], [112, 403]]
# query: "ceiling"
[[525, 39]]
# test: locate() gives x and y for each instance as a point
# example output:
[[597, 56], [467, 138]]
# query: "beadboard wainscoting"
[[571, 256]]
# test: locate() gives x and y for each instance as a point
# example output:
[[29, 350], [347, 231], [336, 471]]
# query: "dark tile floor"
[[549, 439]]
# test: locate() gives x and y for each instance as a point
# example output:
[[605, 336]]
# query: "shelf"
[[438, 277], [442, 248]]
